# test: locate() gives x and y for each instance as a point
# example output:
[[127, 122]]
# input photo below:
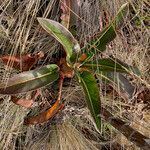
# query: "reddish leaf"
[[24, 62], [65, 16], [22, 102], [44, 116], [65, 70]]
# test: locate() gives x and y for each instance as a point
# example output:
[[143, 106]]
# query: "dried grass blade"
[[65, 16]]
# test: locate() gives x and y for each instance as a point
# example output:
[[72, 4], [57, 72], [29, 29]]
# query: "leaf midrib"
[[88, 96]]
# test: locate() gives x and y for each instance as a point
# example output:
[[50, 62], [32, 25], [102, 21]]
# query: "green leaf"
[[91, 90], [61, 34], [108, 34], [99, 43], [110, 65], [30, 80]]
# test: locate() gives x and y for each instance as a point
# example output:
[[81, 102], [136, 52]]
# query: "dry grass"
[[20, 33]]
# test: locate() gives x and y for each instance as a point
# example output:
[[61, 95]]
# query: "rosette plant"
[[78, 62]]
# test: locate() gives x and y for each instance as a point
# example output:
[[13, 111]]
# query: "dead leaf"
[[65, 16], [27, 103], [44, 116], [22, 102], [22, 63]]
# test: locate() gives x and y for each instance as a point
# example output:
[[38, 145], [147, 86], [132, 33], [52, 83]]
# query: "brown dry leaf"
[[22, 102], [65, 16], [44, 116], [24, 62], [27, 103]]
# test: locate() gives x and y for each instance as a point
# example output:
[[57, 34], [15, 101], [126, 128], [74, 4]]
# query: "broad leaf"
[[110, 65], [108, 34], [91, 91], [30, 80], [62, 34]]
